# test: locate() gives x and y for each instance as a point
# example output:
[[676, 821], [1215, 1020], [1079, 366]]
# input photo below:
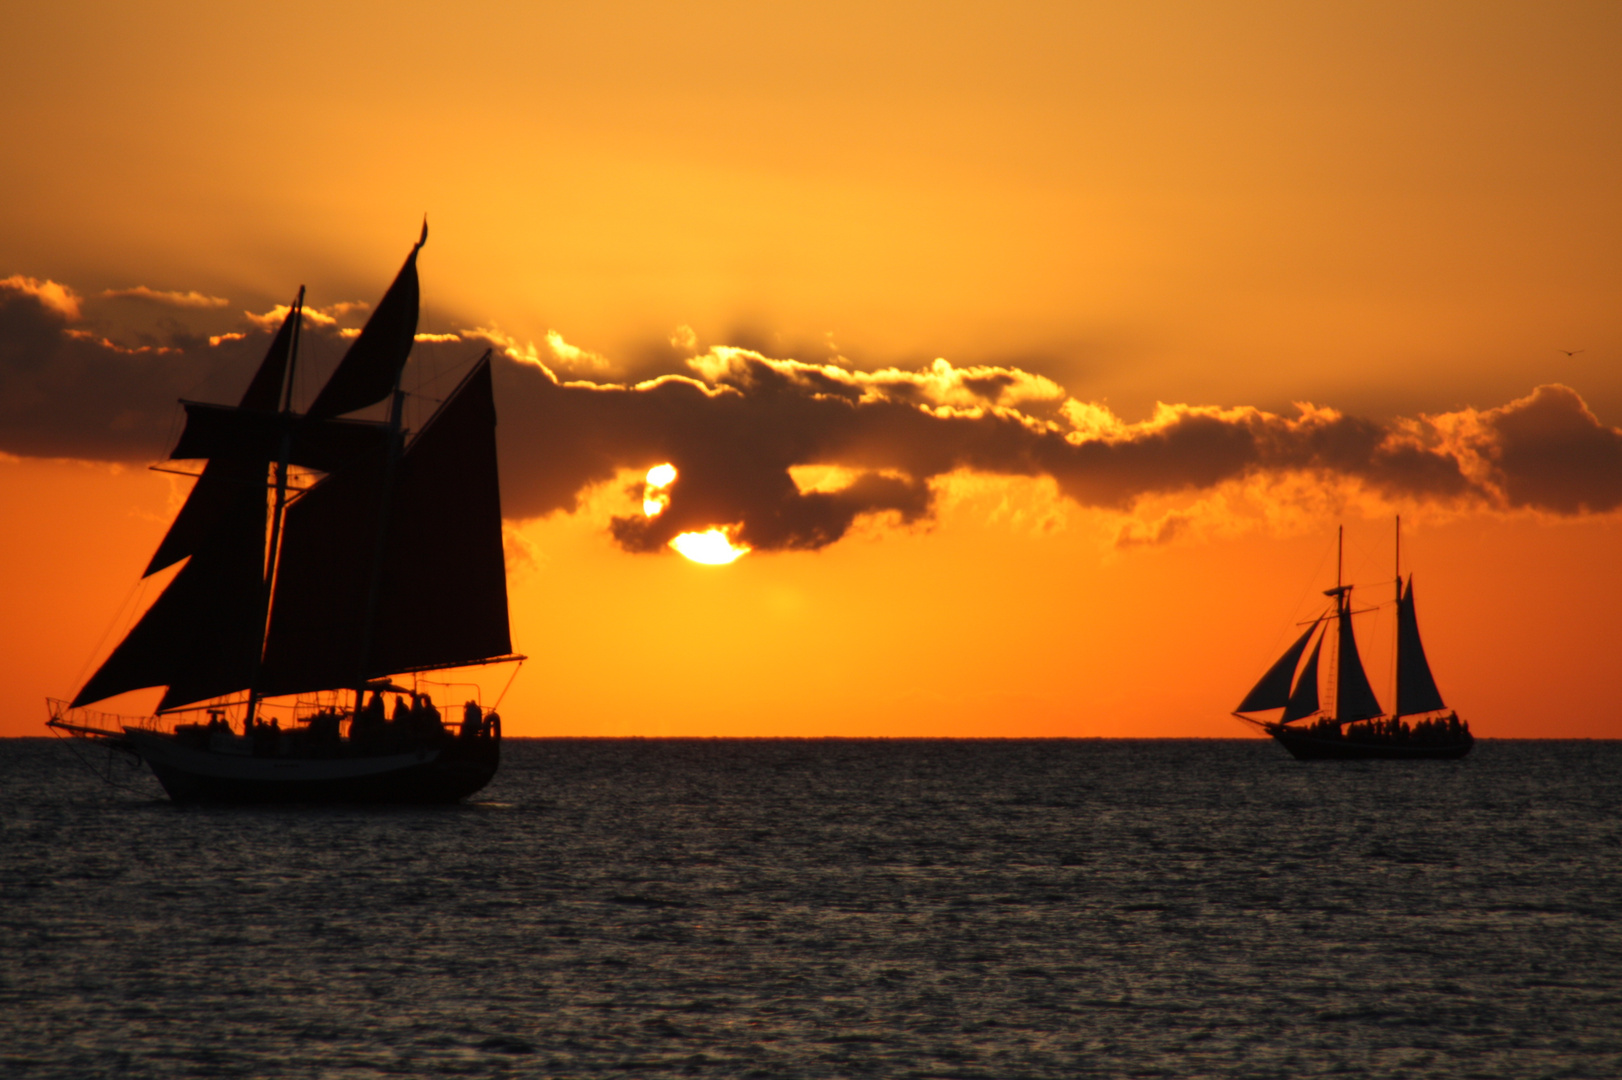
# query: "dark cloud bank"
[[737, 426]]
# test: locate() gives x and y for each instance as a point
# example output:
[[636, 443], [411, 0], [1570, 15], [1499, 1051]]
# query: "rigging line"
[[502, 696], [1299, 600], [123, 617]]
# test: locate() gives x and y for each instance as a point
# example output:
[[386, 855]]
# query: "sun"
[[713, 546]]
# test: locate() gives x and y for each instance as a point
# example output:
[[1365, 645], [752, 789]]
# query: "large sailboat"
[[1354, 725], [302, 607]]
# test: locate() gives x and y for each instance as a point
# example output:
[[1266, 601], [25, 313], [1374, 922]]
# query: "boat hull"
[[1306, 747], [446, 771]]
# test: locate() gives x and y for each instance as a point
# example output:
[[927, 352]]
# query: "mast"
[[374, 588], [1396, 643], [278, 511], [1340, 618]]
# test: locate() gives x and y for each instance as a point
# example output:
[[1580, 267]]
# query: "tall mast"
[[1396, 641], [374, 590], [277, 513], [1340, 614]]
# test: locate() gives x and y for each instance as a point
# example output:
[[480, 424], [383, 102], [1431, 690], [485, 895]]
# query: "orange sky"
[[1393, 211]]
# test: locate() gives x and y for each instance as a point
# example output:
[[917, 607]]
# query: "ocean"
[[831, 908]]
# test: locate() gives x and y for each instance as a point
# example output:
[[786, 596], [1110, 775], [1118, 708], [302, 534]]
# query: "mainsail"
[[1354, 697], [1416, 687], [437, 597]]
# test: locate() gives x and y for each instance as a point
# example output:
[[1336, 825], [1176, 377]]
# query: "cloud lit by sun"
[[712, 546]]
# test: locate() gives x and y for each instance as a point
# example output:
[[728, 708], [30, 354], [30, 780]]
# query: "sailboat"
[[1354, 725], [301, 607]]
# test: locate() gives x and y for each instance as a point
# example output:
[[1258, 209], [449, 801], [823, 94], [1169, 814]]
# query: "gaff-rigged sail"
[[1354, 697], [440, 597], [1304, 700], [1416, 687], [1272, 691]]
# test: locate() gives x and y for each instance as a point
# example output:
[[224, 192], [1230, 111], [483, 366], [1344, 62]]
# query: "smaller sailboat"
[[1354, 725]]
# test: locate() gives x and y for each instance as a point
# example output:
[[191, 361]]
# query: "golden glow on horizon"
[[657, 497], [713, 547]]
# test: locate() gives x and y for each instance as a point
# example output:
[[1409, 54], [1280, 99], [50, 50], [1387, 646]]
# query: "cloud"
[[313, 316], [167, 299], [743, 426], [790, 455], [68, 392], [50, 295]]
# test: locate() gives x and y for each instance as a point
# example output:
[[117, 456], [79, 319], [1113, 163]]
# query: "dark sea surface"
[[652, 908]]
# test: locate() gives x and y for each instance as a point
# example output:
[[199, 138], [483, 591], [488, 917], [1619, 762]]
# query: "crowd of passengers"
[[1437, 731], [416, 722], [420, 721]]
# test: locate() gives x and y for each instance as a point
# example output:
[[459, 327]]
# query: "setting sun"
[[714, 547]]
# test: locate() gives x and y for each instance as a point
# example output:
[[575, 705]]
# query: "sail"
[[200, 637], [440, 589], [1273, 689], [1416, 687], [221, 481], [444, 596], [1354, 697], [368, 371], [1304, 701], [220, 431]]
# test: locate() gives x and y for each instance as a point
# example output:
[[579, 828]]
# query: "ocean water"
[[653, 908]]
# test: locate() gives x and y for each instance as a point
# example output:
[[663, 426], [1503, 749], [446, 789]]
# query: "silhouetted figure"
[[472, 720]]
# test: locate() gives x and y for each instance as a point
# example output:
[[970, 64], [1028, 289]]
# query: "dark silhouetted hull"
[[1307, 747], [444, 772]]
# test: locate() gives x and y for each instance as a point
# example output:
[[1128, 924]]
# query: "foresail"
[[1304, 700], [368, 371], [1416, 687], [200, 637], [1273, 690], [1354, 697]]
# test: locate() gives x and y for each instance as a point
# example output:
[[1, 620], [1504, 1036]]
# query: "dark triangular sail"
[[1416, 687], [371, 367], [440, 595], [1272, 691], [1354, 697], [201, 637], [1304, 700]]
